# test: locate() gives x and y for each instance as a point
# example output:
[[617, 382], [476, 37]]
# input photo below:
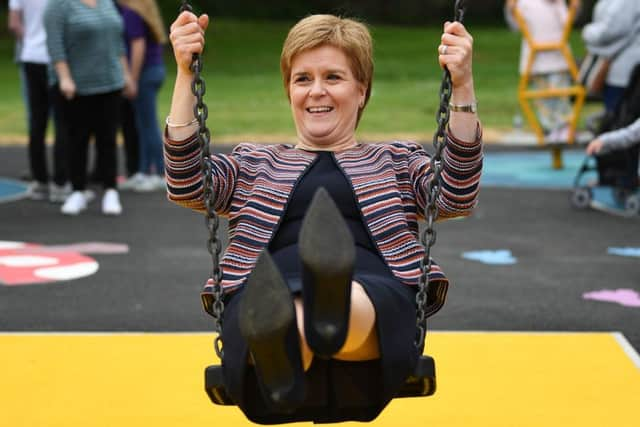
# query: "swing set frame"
[[525, 94]]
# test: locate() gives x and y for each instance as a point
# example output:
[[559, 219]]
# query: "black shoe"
[[327, 252], [268, 324]]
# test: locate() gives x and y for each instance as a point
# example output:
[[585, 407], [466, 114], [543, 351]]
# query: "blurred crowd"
[[95, 68]]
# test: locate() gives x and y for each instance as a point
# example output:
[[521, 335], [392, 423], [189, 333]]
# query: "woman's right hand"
[[67, 88], [187, 38]]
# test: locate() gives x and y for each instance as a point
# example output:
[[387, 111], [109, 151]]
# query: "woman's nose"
[[317, 88]]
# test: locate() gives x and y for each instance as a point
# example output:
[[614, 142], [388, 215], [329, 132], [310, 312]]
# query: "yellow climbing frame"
[[525, 93]]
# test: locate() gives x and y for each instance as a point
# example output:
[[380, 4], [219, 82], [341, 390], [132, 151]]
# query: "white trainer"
[[38, 190], [132, 181], [75, 203], [145, 185], [160, 182], [111, 203], [59, 193]]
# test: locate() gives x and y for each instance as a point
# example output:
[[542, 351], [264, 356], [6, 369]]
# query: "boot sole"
[[327, 252], [268, 324]]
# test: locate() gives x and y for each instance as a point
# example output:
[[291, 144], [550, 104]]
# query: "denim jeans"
[[149, 136]]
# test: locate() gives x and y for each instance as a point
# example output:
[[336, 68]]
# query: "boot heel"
[[327, 252], [268, 324]]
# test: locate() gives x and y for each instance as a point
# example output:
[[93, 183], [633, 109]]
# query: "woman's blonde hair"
[[348, 35], [150, 13]]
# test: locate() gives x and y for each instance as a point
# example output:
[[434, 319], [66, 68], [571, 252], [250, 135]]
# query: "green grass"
[[246, 98]]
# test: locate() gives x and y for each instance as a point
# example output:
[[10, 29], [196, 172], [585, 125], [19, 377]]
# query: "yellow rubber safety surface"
[[484, 379]]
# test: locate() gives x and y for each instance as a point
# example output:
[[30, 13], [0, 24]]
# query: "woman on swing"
[[323, 257]]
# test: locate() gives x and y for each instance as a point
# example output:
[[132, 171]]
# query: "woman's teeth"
[[319, 109]]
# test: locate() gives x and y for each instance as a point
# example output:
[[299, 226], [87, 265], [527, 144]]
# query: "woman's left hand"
[[130, 90], [456, 54]]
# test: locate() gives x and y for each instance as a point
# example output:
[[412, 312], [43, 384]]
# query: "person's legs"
[[78, 113], [362, 339], [106, 126], [106, 107], [36, 75], [147, 119], [130, 134], [305, 351], [61, 187], [361, 342]]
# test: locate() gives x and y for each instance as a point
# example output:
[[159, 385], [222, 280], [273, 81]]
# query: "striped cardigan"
[[252, 186]]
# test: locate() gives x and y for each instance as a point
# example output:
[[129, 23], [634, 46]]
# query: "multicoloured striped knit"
[[252, 186]]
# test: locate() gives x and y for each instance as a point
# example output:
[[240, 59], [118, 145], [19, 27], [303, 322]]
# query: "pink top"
[[545, 20]]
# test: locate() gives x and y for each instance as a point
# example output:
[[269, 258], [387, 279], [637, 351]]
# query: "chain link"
[[433, 192], [212, 222]]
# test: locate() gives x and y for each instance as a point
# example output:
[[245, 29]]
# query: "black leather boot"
[[268, 324], [327, 252]]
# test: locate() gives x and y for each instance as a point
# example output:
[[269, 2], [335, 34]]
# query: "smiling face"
[[325, 98]]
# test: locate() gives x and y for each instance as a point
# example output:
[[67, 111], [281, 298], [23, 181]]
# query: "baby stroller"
[[616, 187]]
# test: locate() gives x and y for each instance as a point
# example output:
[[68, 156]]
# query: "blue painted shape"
[[12, 190], [531, 169], [626, 251], [494, 257]]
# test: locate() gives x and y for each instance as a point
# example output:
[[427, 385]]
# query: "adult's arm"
[[621, 138], [130, 86], [138, 50], [14, 23], [54, 23], [182, 151], [509, 15], [612, 24], [187, 38], [65, 81], [458, 59]]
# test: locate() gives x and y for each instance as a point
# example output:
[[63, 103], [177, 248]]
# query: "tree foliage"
[[405, 12]]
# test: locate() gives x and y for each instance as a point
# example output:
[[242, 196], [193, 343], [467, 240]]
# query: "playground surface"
[[101, 324]]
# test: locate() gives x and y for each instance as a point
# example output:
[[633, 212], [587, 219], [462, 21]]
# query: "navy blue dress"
[[336, 390]]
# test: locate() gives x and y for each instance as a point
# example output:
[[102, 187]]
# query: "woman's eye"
[[333, 77], [301, 79]]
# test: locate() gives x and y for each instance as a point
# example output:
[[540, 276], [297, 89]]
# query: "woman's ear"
[[363, 95]]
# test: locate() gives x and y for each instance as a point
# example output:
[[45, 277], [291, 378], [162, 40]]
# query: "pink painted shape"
[[89, 248], [14, 276], [624, 297]]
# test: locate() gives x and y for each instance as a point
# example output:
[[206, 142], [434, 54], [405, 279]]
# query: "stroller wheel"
[[632, 205], [581, 197]]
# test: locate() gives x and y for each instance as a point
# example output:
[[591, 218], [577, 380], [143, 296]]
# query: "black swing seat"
[[421, 383]]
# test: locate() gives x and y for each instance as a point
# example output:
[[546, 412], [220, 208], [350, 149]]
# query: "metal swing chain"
[[433, 191], [212, 222]]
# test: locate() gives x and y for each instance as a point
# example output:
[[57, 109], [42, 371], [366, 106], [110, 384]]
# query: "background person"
[[619, 139], [614, 33], [84, 39], [545, 20], [145, 36], [27, 24], [295, 209]]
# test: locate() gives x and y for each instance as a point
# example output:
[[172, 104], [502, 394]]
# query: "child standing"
[[545, 21]]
